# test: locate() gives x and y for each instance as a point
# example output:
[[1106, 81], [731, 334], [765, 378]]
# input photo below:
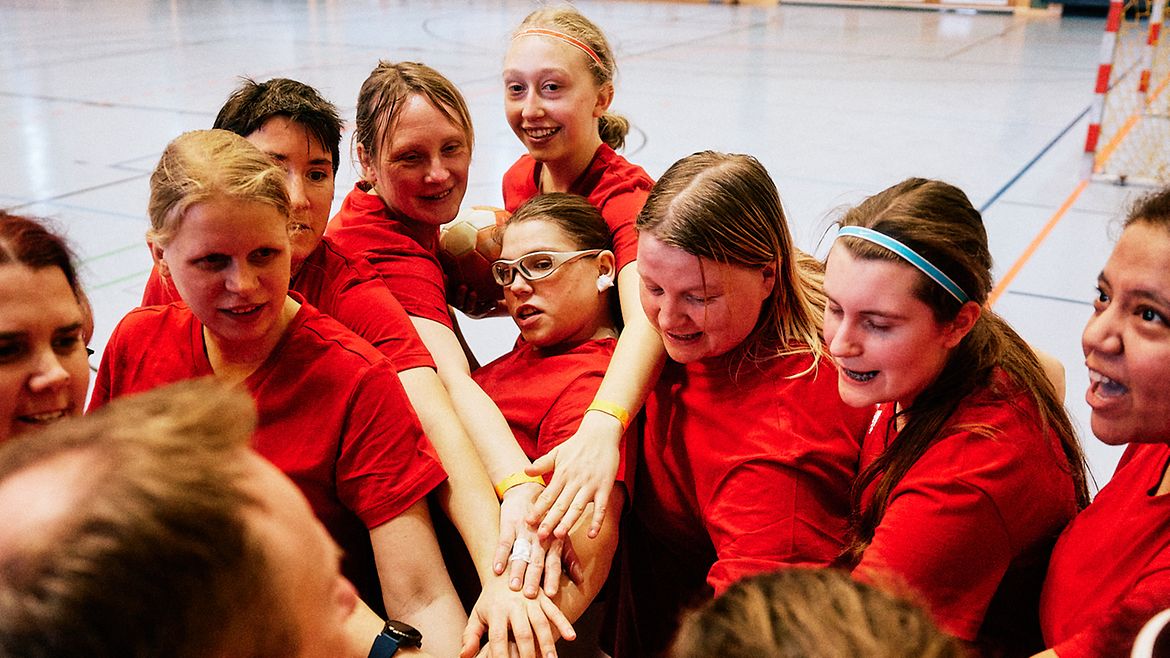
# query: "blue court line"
[[1019, 174]]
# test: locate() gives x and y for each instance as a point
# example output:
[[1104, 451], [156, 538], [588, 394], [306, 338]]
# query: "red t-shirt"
[[1110, 571], [617, 188], [743, 469], [971, 525], [543, 393], [332, 416], [346, 289], [403, 251]]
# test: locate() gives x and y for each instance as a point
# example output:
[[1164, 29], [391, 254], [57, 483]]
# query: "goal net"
[[1129, 131]]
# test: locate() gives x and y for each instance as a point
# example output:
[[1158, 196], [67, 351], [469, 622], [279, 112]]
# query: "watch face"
[[407, 635]]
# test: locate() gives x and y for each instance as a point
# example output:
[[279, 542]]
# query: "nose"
[[49, 373], [1101, 334], [241, 278], [840, 337], [438, 172], [297, 196], [520, 286], [532, 107]]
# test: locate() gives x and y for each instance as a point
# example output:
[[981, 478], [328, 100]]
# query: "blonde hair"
[[810, 613], [726, 208], [156, 556], [386, 91], [206, 164], [613, 128]]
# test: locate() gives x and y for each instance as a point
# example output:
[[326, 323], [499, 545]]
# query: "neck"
[[234, 361], [559, 175]]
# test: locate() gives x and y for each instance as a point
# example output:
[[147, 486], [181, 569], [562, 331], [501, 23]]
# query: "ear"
[[769, 274], [604, 98], [159, 257], [957, 329], [369, 173], [607, 264]]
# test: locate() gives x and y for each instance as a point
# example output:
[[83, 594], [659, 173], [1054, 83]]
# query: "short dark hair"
[[253, 103], [1152, 208]]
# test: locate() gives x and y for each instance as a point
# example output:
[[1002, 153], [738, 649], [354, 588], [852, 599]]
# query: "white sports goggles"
[[536, 265]]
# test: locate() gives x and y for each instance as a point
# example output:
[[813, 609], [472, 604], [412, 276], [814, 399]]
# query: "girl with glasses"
[[557, 271]]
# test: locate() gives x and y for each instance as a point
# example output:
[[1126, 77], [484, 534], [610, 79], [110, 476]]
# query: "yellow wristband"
[[519, 477], [611, 409]]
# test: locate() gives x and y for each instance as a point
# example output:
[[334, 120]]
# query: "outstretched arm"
[[586, 464], [415, 585]]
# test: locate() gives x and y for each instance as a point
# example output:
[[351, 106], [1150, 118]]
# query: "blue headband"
[[909, 255]]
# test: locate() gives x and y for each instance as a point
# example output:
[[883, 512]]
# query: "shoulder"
[[317, 332], [618, 175]]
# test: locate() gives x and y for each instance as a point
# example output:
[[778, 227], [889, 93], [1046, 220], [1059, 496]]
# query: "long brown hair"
[[726, 208], [937, 220]]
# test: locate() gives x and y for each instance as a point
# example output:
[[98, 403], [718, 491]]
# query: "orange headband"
[[576, 43]]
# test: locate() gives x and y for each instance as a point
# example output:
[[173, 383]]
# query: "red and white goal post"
[[1129, 129]]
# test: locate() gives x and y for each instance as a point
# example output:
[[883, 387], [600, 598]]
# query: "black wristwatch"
[[395, 635]]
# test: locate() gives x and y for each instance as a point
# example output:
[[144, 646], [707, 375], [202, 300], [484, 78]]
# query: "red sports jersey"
[[543, 393], [403, 251], [617, 188], [347, 289], [971, 525], [1110, 571], [333, 417], [744, 468]]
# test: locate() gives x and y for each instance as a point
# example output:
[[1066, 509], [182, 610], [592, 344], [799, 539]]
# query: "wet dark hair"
[[253, 103]]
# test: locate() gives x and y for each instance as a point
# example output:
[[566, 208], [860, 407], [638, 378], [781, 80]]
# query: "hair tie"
[[572, 41], [909, 255]]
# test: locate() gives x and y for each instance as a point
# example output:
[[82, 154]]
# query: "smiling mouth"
[[438, 197], [246, 311], [298, 227], [541, 133], [43, 418], [859, 375], [683, 338], [1104, 387]]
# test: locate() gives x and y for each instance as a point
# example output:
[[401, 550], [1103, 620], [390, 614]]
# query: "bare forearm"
[[467, 497]]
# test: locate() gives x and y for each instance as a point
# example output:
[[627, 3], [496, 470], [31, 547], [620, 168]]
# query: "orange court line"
[[1102, 156], [1035, 244]]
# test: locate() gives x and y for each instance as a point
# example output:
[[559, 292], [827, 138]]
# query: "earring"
[[604, 282]]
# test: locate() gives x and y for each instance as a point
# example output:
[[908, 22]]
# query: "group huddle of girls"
[[691, 401]]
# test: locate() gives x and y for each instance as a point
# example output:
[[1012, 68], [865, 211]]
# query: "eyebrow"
[[872, 314], [1140, 293], [280, 157]]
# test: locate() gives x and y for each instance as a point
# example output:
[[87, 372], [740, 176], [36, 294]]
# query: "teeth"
[[858, 376], [684, 337], [1104, 386], [540, 133], [436, 197], [46, 417], [243, 310]]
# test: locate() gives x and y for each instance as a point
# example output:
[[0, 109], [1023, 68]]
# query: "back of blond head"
[[565, 18], [154, 555], [208, 164], [810, 613], [725, 207]]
